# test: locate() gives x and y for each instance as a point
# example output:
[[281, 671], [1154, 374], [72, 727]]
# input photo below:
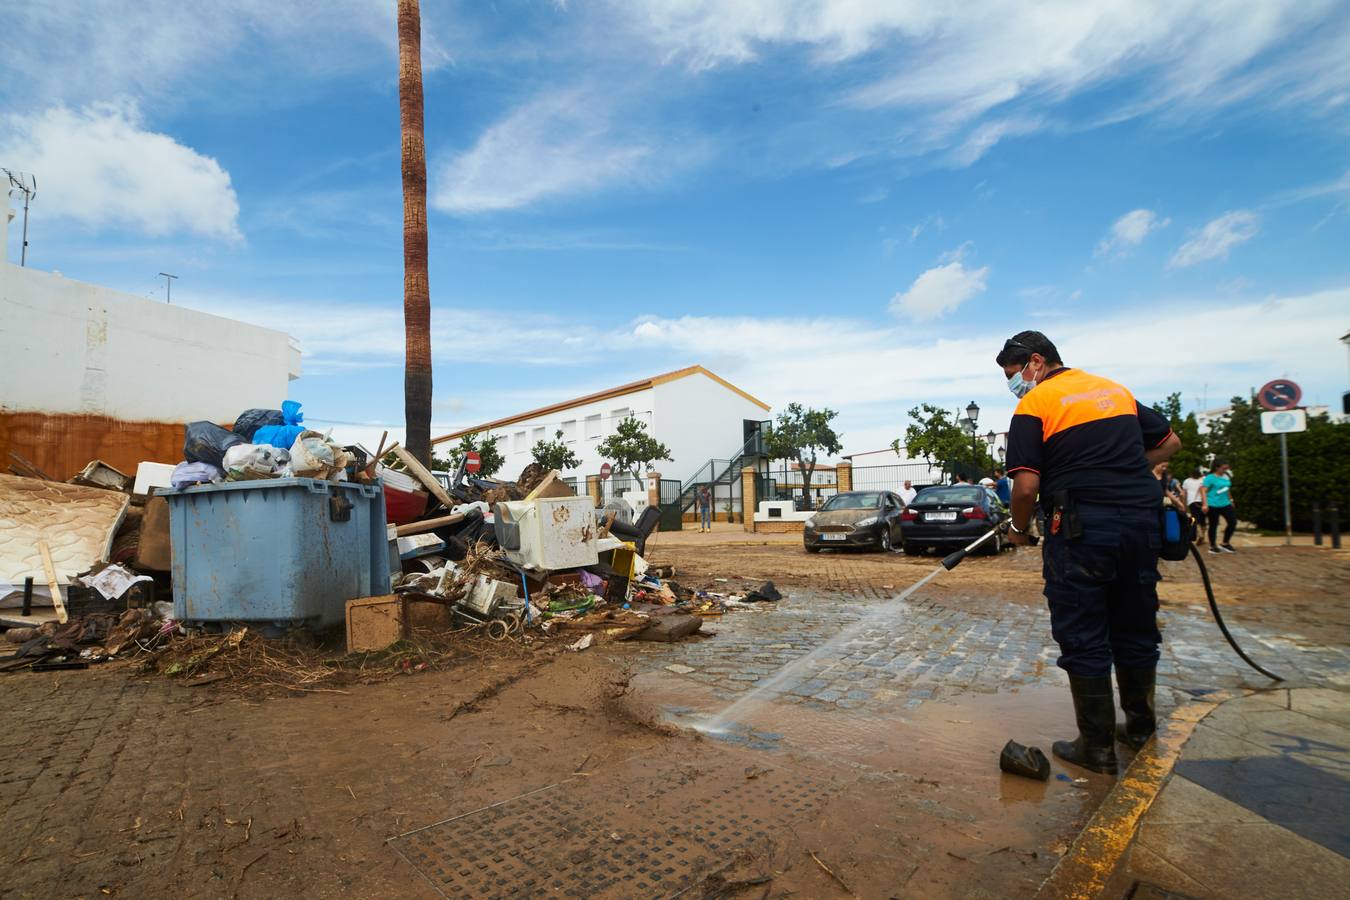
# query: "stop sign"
[[605, 471], [472, 462]]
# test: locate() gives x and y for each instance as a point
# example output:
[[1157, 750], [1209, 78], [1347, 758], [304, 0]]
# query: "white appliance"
[[548, 533]]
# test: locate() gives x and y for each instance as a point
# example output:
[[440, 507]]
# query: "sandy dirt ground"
[[535, 772]]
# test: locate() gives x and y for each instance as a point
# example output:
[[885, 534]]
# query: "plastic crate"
[[282, 550]]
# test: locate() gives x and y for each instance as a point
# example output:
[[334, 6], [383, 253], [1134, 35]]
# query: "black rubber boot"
[[1136, 699], [1094, 705]]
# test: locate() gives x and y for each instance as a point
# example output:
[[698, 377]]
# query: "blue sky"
[[841, 203]]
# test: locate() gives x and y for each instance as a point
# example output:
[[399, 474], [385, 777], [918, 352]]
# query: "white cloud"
[[1217, 238], [560, 144], [101, 167], [904, 370], [1129, 231], [947, 66], [171, 50], [940, 290]]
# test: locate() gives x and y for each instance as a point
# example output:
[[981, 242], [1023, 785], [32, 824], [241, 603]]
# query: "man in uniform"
[[1085, 447]]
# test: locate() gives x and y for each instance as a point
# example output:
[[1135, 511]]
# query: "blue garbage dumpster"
[[289, 551]]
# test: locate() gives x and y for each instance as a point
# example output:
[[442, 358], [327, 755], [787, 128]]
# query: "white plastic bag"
[[315, 455], [248, 462]]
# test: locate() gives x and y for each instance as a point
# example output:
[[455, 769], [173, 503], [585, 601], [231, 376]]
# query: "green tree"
[[1191, 456], [490, 458], [802, 434], [554, 454], [936, 436], [1235, 432], [631, 449], [1319, 467]]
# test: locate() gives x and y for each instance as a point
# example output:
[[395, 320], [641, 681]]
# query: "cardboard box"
[[153, 551], [374, 623]]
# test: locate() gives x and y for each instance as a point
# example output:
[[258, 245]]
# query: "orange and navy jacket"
[[1087, 435]]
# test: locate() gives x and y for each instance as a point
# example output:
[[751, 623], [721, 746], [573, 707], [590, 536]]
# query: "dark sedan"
[[855, 519], [951, 516]]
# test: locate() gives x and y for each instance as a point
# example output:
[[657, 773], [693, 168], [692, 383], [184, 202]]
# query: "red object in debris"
[[605, 471], [472, 462], [402, 507]]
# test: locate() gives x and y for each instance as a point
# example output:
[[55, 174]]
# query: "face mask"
[[1020, 386]]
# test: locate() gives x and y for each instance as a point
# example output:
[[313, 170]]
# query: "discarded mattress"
[[78, 524]]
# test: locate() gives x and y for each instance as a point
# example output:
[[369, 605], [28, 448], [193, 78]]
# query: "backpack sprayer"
[[952, 560]]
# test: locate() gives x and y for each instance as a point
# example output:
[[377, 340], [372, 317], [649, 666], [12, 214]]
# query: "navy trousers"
[[1102, 589]]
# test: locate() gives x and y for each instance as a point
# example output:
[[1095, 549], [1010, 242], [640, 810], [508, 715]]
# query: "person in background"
[[1003, 486], [704, 509], [1171, 487], [908, 493], [1194, 489], [1219, 499]]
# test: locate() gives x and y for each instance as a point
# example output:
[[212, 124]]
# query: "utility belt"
[[1061, 515], [1063, 520]]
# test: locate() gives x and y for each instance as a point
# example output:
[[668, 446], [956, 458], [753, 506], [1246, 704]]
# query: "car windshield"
[[852, 501], [963, 493]]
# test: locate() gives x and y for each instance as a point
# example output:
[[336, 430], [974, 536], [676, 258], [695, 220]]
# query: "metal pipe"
[[1334, 517], [28, 596], [1317, 524]]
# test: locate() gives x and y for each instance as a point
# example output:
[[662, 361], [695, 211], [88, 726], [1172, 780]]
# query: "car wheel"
[[884, 542]]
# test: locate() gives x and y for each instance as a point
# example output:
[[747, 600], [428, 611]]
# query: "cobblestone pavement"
[[900, 655]]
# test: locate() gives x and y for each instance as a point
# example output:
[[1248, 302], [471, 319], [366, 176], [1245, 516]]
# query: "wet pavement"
[[1258, 804], [901, 656]]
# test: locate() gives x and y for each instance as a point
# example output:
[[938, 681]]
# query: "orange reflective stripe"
[[1076, 398]]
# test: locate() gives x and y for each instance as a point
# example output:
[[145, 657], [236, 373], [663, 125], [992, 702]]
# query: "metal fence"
[[726, 499], [892, 478]]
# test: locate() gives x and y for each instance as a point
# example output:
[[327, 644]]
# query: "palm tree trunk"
[[416, 285]]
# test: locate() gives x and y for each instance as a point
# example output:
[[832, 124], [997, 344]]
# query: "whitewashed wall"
[[695, 416], [584, 427], [73, 347], [700, 419]]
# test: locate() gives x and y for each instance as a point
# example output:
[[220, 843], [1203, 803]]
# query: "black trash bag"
[[765, 591], [207, 442], [1029, 762], [250, 420]]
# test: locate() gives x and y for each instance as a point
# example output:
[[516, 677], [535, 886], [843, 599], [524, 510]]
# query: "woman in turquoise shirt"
[[1219, 502]]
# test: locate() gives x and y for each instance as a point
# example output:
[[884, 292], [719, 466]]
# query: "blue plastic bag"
[[282, 436]]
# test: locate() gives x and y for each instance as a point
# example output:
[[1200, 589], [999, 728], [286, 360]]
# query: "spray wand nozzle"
[[952, 560]]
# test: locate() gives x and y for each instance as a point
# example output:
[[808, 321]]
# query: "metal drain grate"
[[558, 842]]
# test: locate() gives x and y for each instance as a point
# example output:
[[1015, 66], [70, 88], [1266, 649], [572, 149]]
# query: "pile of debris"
[[87, 567]]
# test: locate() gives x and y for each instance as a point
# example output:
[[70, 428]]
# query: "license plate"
[[939, 517], [833, 537]]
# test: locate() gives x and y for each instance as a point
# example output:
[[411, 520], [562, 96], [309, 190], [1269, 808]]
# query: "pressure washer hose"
[[1218, 618], [953, 560]]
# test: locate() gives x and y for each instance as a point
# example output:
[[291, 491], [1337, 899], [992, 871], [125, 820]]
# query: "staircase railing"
[[718, 471]]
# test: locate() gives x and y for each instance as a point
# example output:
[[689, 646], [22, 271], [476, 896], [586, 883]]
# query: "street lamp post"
[[971, 423]]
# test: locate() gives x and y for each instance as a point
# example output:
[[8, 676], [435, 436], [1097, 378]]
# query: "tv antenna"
[[26, 185], [168, 286]]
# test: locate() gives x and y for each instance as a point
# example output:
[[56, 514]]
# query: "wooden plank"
[[419, 471], [50, 569], [429, 524], [551, 486]]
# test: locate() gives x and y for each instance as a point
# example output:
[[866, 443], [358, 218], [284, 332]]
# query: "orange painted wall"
[[61, 445]]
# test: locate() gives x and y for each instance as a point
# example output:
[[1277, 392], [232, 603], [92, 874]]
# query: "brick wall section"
[[843, 477], [779, 527], [749, 501], [595, 490]]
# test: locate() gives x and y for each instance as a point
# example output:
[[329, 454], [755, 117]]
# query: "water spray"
[[719, 723]]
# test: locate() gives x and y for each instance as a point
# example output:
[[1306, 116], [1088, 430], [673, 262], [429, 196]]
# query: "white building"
[[93, 373], [696, 414]]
